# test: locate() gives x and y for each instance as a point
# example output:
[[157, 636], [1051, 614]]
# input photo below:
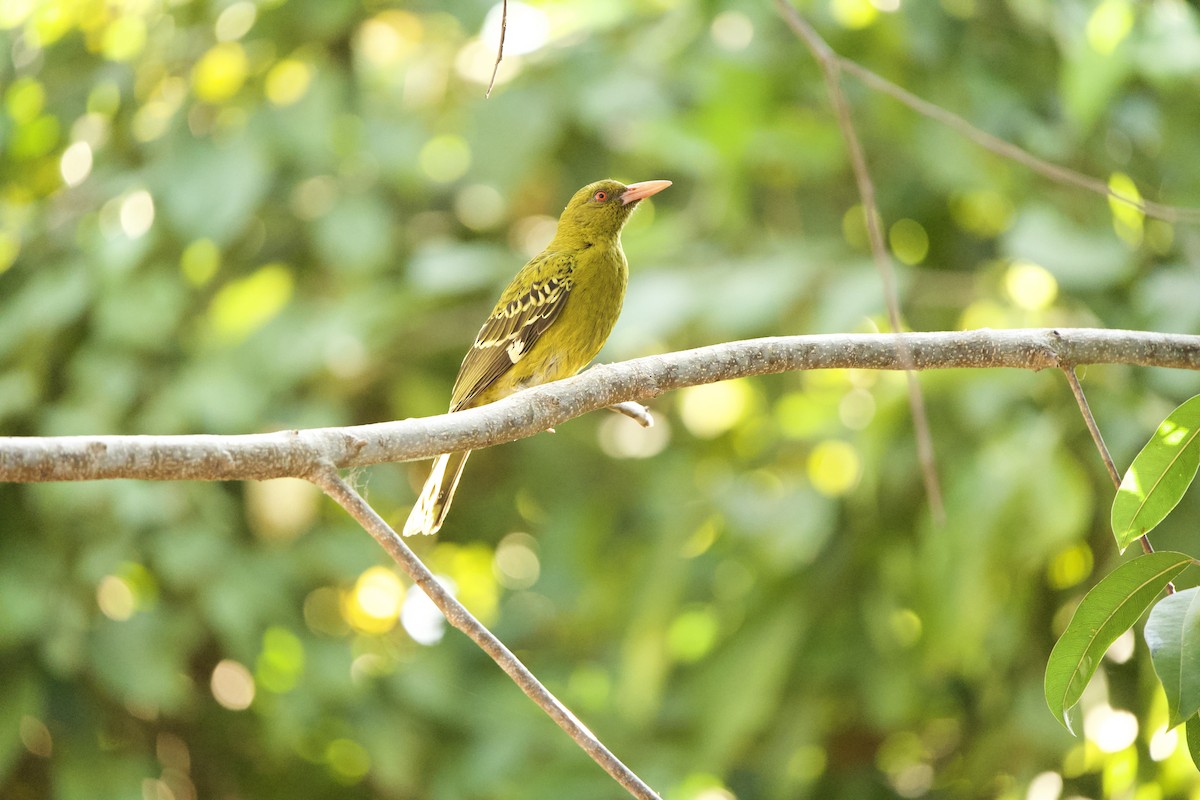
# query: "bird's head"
[[599, 210]]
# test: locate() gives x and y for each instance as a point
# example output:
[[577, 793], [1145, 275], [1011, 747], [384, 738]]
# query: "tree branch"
[[1005, 149], [297, 453], [457, 615], [831, 68]]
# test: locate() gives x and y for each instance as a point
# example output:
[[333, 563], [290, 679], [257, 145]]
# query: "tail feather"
[[430, 510]]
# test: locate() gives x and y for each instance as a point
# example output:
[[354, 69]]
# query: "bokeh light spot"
[[115, 598], [348, 760], [1128, 220], [389, 37], [470, 570], [1069, 567], [712, 409], [528, 28], [853, 14], [1163, 743], [983, 314], [200, 261], [246, 304], [1110, 22], [834, 467], [288, 81], [36, 138], [732, 31], [124, 38], [692, 634], [281, 509], [281, 660], [801, 414], [857, 409], [854, 227], [232, 685], [220, 72], [137, 214], [14, 12], [314, 197], [1031, 286], [445, 158], [530, 235], [1111, 729], [620, 437], [909, 241], [1045, 786], [479, 207], [122, 593], [235, 21], [1122, 648], [76, 163], [421, 618], [24, 100], [516, 563], [104, 98], [985, 213], [374, 604], [701, 539], [35, 736]]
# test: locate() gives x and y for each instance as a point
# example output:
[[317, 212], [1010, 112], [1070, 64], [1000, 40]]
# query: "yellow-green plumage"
[[548, 324]]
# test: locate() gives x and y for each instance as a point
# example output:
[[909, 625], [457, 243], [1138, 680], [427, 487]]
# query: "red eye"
[[600, 196]]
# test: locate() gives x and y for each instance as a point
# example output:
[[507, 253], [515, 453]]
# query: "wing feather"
[[515, 325]]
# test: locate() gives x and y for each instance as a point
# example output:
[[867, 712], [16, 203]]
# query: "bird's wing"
[[516, 323]]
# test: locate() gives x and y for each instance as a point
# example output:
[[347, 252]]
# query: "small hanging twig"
[[500, 49], [1090, 420]]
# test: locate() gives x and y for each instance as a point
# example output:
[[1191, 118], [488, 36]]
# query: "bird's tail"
[[433, 504]]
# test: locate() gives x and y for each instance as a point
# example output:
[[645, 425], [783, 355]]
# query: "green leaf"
[[1159, 476], [1107, 611], [1173, 634], [1193, 739]]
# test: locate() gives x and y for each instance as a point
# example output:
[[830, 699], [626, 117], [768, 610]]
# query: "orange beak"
[[640, 191]]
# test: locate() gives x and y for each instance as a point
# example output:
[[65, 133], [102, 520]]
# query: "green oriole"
[[548, 324]]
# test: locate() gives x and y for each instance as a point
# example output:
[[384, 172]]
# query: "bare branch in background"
[[457, 615], [1004, 149], [831, 69]]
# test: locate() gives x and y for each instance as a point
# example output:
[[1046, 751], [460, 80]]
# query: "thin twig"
[[293, 453], [500, 49], [1092, 427], [830, 68], [457, 615], [1005, 149], [1105, 456]]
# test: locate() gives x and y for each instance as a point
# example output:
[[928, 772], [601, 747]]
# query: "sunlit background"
[[229, 217]]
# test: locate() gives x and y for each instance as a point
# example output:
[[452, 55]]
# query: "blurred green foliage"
[[228, 217]]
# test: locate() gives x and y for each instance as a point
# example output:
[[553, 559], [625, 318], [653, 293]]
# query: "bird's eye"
[[600, 196]]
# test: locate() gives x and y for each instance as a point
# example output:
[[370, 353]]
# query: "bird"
[[548, 324]]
